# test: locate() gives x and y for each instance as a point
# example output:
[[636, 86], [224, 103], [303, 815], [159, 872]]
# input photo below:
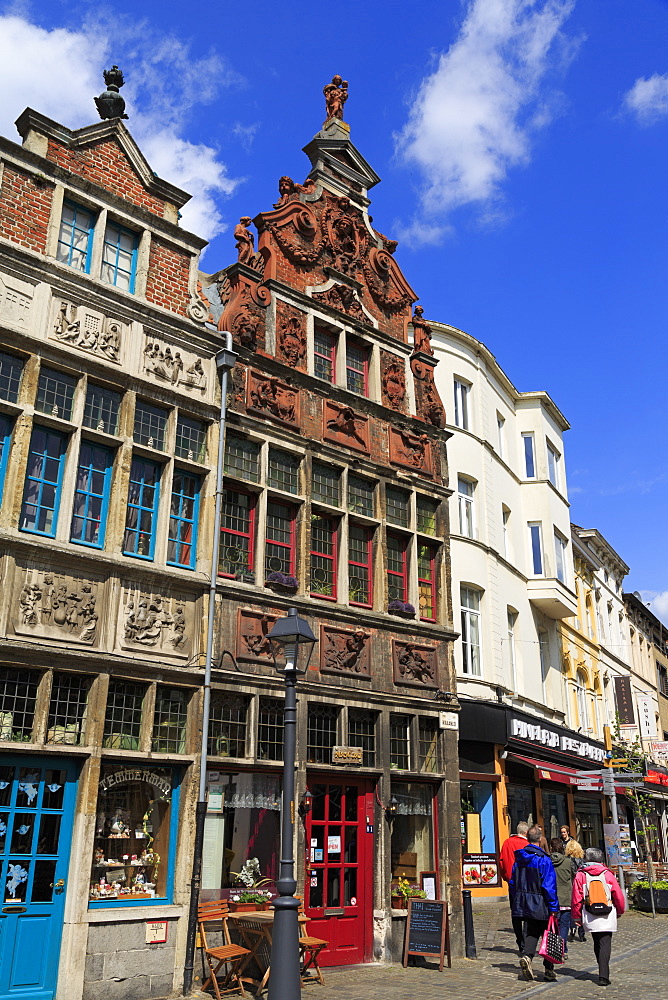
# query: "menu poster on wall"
[[480, 869], [618, 843]]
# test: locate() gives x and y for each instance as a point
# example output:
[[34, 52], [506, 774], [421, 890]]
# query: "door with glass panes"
[[36, 809], [339, 883]]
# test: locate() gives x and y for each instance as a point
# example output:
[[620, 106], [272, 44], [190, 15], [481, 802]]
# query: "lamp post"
[[292, 643]]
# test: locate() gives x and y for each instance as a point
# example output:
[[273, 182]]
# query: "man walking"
[[596, 904], [533, 897], [506, 862]]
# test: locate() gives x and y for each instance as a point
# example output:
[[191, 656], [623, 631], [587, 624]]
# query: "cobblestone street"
[[638, 968]]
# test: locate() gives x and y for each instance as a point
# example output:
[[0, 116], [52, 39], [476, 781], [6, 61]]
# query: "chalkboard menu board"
[[427, 930]]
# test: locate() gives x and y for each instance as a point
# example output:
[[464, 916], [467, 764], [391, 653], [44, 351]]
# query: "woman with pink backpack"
[[596, 904]]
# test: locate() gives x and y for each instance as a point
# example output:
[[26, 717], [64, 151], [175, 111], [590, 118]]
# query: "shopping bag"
[[552, 945]]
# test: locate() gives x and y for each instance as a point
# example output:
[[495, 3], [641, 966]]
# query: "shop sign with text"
[[555, 741]]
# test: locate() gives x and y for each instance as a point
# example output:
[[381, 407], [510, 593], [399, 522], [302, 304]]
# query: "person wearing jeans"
[[506, 862], [533, 897], [601, 926]]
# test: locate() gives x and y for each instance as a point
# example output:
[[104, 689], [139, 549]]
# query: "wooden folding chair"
[[227, 954], [309, 950]]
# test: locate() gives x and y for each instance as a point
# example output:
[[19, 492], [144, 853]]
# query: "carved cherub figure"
[[336, 95]]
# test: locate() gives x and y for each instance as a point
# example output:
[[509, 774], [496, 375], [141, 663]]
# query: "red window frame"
[[331, 558], [428, 581], [394, 576], [330, 356], [250, 534], [354, 563], [289, 546], [364, 349]]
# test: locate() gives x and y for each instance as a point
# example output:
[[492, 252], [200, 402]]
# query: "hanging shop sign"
[[646, 716], [347, 755], [658, 751], [545, 736], [624, 701]]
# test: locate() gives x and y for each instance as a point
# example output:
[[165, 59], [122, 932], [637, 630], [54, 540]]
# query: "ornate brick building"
[[334, 503]]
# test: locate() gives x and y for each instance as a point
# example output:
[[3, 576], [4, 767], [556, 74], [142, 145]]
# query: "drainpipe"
[[225, 362]]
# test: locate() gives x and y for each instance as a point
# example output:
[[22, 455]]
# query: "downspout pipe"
[[225, 362]]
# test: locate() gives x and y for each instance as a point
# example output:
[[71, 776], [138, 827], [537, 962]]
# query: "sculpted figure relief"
[[288, 190], [253, 635], [269, 394], [66, 610], [415, 665], [336, 95], [150, 622], [291, 340], [245, 241], [345, 422], [167, 365], [92, 333], [345, 651]]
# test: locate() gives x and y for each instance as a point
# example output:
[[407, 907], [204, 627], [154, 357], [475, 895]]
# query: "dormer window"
[[75, 239], [119, 257]]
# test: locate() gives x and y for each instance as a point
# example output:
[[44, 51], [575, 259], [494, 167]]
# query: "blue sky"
[[522, 146]]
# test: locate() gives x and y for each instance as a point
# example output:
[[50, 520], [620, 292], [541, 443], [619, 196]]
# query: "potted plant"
[[251, 897], [282, 581], [641, 895], [401, 608], [403, 891]]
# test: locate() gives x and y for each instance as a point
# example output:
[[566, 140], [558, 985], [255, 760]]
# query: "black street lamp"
[[292, 643]]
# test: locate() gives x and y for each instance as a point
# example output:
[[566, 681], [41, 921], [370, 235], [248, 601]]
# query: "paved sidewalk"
[[638, 969]]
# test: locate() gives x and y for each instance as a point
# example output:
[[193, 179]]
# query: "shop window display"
[[412, 845], [555, 813], [521, 806], [133, 835]]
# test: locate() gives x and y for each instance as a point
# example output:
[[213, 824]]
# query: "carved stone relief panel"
[[393, 380], [414, 664], [15, 301], [168, 365], [272, 398], [342, 425], [60, 606], [428, 401], [87, 330], [153, 622], [290, 335], [411, 450], [345, 652], [252, 629]]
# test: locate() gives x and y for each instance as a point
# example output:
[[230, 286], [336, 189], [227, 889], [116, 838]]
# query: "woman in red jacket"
[[601, 925]]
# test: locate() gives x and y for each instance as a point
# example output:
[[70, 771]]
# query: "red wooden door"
[[339, 879]]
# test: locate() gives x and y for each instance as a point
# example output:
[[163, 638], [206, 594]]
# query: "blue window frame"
[[5, 440], [119, 257], [91, 496], [75, 239], [182, 540], [11, 369], [44, 479], [142, 514]]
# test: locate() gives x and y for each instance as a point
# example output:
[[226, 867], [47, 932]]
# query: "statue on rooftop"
[[245, 241], [110, 104], [336, 95]]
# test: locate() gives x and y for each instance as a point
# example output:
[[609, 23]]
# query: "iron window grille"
[[18, 693], [11, 369], [190, 439], [399, 731], [360, 576], [44, 477], [427, 744], [321, 733], [325, 484], [237, 534], [122, 721], [280, 540], [362, 733], [119, 257], [397, 506], [283, 471], [68, 709], [324, 354], [150, 426], [228, 722], [397, 577], [142, 509], [323, 556], [75, 237], [55, 393], [182, 539], [101, 409], [91, 495], [169, 720], [426, 515], [357, 367], [360, 496], [427, 582], [270, 728], [242, 458]]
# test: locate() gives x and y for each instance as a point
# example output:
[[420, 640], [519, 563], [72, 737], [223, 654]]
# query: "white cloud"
[[648, 98], [473, 118], [658, 603], [58, 72]]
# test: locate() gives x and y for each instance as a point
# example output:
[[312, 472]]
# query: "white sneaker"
[[526, 967]]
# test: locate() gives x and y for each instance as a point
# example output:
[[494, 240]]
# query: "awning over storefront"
[[548, 772]]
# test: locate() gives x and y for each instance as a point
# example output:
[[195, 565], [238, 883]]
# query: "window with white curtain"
[[536, 549], [501, 431], [560, 545], [465, 490], [581, 698], [505, 519], [462, 390], [553, 457], [512, 620], [470, 602], [529, 456]]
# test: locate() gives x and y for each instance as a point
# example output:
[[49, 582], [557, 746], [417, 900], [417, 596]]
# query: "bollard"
[[469, 931]]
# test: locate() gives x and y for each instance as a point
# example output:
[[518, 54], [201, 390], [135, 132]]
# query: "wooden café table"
[[255, 929]]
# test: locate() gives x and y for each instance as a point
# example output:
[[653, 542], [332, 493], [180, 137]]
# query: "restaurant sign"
[[347, 755], [555, 741]]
